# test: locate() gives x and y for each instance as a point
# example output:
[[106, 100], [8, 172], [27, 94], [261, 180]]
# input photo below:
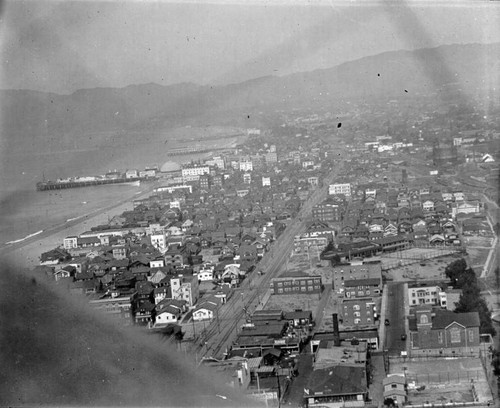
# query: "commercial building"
[[344, 188], [295, 283]]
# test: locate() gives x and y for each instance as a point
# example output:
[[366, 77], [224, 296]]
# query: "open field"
[[478, 241], [310, 266], [477, 257], [430, 269], [331, 307]]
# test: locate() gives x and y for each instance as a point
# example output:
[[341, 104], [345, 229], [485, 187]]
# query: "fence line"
[[442, 377]]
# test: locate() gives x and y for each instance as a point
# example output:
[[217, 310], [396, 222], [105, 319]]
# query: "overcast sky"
[[61, 46]]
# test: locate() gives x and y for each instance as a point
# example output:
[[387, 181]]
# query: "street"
[[221, 331], [395, 313]]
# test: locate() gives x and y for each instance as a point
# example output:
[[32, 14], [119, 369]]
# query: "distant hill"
[[28, 116]]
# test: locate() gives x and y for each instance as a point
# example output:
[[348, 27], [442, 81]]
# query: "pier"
[[193, 150], [52, 185]]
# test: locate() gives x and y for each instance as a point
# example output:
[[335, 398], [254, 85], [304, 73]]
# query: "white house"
[[169, 314], [70, 242], [206, 310], [246, 165], [206, 275], [157, 263], [487, 158], [161, 294], [159, 241], [131, 174], [169, 311], [426, 295], [428, 205]]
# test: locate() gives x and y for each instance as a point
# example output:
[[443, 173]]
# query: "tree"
[[454, 270], [389, 402], [472, 301], [495, 362]]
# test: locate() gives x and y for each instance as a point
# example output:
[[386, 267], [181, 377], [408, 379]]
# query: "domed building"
[[170, 166]]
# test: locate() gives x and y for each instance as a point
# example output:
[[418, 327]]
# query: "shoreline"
[[26, 252]]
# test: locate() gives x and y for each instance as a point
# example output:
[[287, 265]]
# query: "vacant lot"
[[430, 269], [289, 303], [477, 257]]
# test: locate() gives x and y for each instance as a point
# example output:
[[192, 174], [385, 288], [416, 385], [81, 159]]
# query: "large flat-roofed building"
[[354, 288], [295, 283], [195, 171], [358, 272], [118, 306], [327, 211], [340, 188], [358, 312]]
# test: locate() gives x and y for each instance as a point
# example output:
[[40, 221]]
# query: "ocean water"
[[25, 211]]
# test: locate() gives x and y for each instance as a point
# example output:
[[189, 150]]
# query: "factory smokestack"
[[336, 334]]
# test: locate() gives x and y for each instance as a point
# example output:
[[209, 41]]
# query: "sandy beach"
[[26, 254]]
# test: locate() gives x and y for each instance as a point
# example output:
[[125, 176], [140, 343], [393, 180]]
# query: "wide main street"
[[395, 315], [223, 329]]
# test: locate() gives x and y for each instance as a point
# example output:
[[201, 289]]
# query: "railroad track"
[[233, 313]]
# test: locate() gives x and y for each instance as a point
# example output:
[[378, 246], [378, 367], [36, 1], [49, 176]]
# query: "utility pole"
[[218, 321]]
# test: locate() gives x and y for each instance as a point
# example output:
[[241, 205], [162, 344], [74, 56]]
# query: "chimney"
[[336, 334]]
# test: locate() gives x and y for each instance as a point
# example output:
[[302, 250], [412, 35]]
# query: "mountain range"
[[448, 71]]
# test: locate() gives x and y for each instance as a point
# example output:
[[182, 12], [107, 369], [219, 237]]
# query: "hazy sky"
[[61, 46]]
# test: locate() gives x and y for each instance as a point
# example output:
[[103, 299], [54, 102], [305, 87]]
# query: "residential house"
[[161, 293], [206, 309], [390, 230], [144, 312], [206, 274], [168, 311], [428, 205], [54, 256], [299, 318], [426, 295], [395, 388]]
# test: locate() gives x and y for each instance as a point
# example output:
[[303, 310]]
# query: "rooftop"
[[338, 380]]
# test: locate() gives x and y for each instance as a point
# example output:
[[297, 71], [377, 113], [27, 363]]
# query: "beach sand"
[[26, 254]]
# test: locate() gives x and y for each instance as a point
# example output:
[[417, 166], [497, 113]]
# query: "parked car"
[[403, 337], [386, 322]]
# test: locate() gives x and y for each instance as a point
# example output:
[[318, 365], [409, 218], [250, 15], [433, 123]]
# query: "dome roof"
[[170, 166]]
